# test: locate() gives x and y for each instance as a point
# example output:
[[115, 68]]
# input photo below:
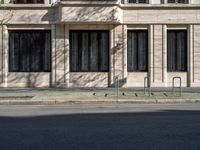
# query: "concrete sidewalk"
[[49, 96]]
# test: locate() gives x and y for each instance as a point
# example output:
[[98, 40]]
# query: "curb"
[[99, 101]]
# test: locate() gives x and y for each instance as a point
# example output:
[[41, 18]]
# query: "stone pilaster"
[[67, 56], [196, 55], [190, 75], [53, 60], [150, 73], [164, 55], [60, 55], [125, 73], [157, 59], [4, 54], [117, 56], [1, 56]]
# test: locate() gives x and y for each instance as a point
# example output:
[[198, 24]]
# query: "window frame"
[[29, 31], [147, 50], [80, 53]]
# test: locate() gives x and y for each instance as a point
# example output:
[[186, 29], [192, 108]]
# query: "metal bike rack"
[[147, 86], [179, 87]]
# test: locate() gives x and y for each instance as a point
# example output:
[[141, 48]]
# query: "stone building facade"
[[90, 43]]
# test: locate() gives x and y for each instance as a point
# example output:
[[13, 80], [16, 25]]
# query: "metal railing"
[[179, 87]]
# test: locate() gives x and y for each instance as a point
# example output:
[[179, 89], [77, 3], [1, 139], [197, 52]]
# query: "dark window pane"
[[15, 51], [171, 1], [137, 50], [142, 1], [104, 51], [171, 51], [94, 51], [177, 50], [183, 1], [39, 1], [30, 51], [178, 1], [20, 1], [85, 51], [142, 51], [74, 51], [138, 1], [29, 1], [132, 51], [47, 52], [89, 51], [24, 52], [132, 1]]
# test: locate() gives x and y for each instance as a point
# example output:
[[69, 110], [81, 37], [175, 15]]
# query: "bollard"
[[147, 86], [117, 87]]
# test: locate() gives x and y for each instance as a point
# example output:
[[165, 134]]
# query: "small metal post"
[[117, 87], [147, 86]]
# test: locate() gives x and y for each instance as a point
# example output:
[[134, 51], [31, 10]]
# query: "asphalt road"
[[100, 127]]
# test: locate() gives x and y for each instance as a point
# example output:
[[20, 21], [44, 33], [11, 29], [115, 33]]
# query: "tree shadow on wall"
[[29, 79]]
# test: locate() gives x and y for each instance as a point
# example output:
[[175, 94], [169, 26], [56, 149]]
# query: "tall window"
[[29, 51], [177, 50], [178, 1], [29, 1], [89, 51], [137, 50], [138, 1]]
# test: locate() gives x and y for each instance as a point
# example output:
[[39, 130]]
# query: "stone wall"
[[61, 19]]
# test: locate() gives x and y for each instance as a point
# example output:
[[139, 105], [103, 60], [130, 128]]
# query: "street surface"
[[100, 127]]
